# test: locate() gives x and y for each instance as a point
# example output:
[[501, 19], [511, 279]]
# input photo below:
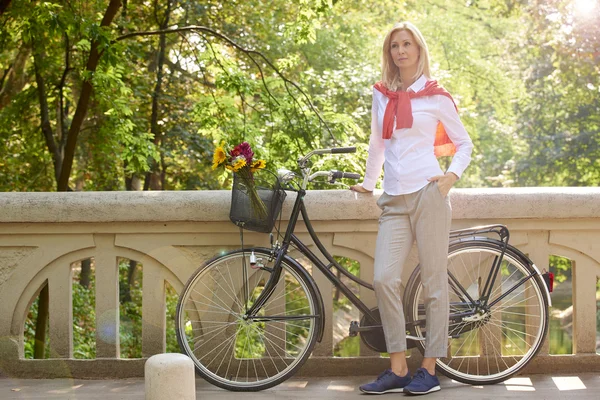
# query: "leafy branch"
[[251, 54]]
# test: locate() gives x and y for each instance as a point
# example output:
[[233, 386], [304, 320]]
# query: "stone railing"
[[172, 233]]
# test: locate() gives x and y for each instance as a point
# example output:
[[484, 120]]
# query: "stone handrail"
[[172, 233]]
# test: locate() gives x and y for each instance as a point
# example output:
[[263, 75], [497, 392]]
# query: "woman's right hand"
[[359, 189]]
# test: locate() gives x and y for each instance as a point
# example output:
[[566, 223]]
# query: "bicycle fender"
[[516, 252], [526, 260], [310, 279]]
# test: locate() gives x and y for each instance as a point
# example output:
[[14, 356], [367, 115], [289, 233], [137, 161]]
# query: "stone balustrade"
[[172, 233]]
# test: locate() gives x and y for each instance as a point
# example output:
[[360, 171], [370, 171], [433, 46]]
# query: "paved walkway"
[[580, 386]]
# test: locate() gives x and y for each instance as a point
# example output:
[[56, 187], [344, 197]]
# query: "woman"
[[413, 121]]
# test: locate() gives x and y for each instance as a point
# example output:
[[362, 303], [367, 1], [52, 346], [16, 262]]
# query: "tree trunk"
[[39, 347], [15, 77], [86, 273], [153, 179], [63, 171], [4, 5], [131, 183], [83, 104], [131, 272], [44, 113]]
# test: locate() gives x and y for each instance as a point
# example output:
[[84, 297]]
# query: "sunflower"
[[239, 163], [258, 164], [220, 156]]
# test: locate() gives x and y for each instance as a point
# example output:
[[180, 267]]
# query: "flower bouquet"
[[240, 160]]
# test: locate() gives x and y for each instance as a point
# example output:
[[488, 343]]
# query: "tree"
[[560, 113]]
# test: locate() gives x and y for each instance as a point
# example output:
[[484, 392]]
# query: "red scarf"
[[400, 107]]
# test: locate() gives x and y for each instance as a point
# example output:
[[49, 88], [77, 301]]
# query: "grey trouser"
[[425, 216]]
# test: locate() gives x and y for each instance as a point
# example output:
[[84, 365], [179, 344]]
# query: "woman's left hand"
[[445, 182]]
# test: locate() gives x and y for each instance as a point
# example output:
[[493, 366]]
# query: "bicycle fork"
[[269, 286]]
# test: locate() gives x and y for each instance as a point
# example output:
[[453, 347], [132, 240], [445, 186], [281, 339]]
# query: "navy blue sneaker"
[[387, 382], [422, 383]]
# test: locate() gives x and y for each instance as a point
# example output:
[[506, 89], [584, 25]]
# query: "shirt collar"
[[418, 85]]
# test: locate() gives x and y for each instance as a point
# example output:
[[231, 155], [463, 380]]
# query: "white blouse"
[[407, 157]]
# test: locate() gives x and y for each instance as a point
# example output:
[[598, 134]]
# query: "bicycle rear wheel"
[[497, 341], [239, 353]]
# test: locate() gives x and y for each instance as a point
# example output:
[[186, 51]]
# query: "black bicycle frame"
[[291, 239]]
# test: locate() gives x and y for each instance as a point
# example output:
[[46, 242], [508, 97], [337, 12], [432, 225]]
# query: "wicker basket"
[[269, 190]]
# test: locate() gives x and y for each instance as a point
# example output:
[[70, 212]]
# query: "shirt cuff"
[[455, 170], [369, 184]]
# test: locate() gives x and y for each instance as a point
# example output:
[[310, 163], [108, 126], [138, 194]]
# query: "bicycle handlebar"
[[335, 150], [339, 150], [333, 175], [341, 174]]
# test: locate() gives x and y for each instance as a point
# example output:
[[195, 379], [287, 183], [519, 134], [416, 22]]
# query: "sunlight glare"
[[519, 381], [568, 383], [295, 384], [584, 7], [519, 385], [339, 387]]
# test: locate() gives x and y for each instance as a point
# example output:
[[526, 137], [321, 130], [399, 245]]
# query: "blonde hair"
[[390, 74]]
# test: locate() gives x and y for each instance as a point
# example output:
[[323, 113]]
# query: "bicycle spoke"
[[231, 287], [270, 356], [204, 341], [289, 333], [285, 294], [210, 352], [224, 305], [217, 329], [483, 330], [246, 352], [232, 339], [223, 358], [209, 305], [498, 341], [234, 299], [240, 364]]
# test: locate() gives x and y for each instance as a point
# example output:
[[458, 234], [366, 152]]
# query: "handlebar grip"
[[339, 150], [349, 175]]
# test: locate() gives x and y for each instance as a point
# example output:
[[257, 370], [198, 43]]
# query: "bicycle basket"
[[256, 200]]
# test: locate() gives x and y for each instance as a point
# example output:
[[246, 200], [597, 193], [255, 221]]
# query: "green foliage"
[[339, 300], [130, 311], [526, 85], [347, 347], [561, 317], [561, 267], [29, 332], [525, 75], [171, 300], [84, 318], [559, 112]]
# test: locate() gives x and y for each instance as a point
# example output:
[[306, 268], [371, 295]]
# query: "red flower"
[[243, 149]]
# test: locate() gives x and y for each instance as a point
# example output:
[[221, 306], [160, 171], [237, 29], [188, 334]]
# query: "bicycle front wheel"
[[487, 344], [241, 353]]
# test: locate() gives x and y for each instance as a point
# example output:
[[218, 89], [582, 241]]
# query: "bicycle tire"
[[504, 342], [265, 347]]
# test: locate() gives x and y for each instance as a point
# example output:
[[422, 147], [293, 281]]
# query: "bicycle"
[[249, 319]]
